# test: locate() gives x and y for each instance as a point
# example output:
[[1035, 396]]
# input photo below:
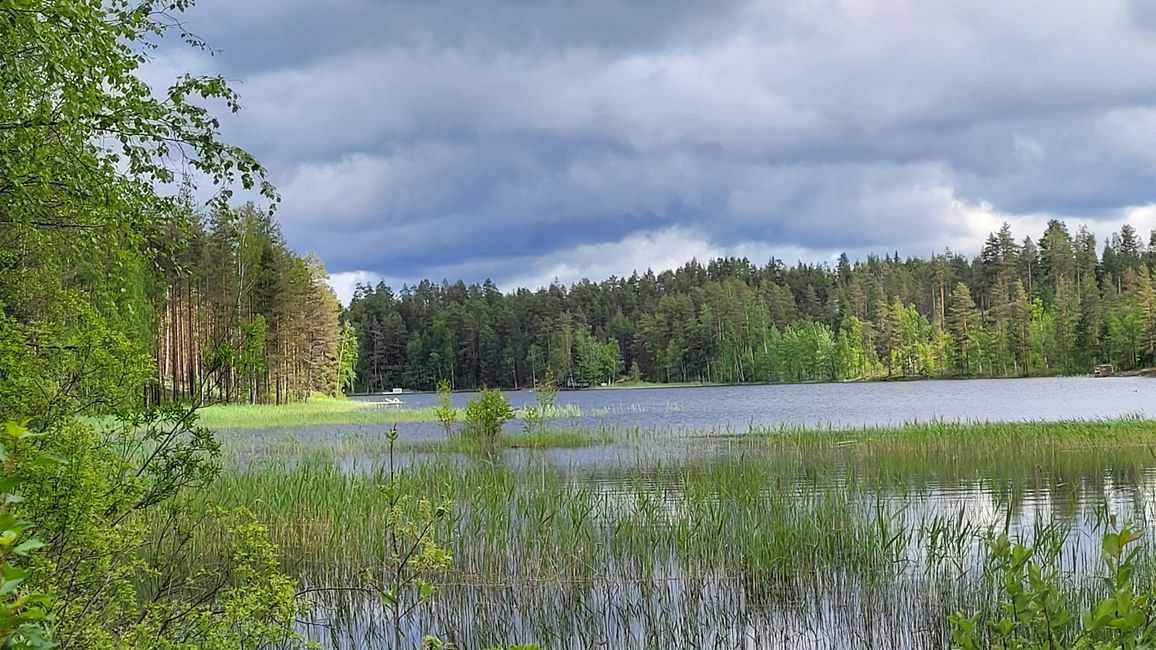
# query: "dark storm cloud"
[[523, 140], [255, 35]]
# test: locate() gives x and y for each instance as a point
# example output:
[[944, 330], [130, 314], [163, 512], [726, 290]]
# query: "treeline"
[[1056, 305], [244, 318]]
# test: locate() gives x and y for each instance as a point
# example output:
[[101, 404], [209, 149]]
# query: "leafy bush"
[[117, 536], [1035, 612], [444, 411], [486, 414], [412, 552], [24, 616]]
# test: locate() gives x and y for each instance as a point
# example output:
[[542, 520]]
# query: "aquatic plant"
[[771, 538]]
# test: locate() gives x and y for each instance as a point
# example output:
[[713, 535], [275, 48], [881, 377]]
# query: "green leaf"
[[1111, 545], [10, 585], [28, 546]]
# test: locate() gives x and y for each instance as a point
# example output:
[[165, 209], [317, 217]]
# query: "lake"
[[687, 532], [845, 404]]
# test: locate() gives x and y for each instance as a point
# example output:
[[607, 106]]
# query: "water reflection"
[[656, 586], [697, 535]]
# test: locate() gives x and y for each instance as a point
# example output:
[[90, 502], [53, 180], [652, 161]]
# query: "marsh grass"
[[550, 439], [921, 453], [782, 538]]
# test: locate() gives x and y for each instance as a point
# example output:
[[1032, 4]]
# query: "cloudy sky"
[[528, 140]]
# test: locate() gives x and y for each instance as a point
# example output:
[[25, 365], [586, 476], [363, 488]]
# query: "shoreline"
[[1145, 373]]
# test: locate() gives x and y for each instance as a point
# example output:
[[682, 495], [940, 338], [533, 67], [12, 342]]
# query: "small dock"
[[387, 403]]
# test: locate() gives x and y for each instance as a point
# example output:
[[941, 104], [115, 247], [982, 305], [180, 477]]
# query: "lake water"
[[713, 412], [662, 540], [737, 408]]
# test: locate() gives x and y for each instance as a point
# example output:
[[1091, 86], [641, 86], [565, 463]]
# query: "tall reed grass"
[[774, 538]]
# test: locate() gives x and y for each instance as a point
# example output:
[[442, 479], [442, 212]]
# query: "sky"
[[528, 141]]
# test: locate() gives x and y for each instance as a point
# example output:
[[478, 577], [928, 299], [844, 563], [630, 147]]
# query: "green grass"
[[773, 523], [760, 470], [327, 411], [565, 439], [312, 412], [917, 453]]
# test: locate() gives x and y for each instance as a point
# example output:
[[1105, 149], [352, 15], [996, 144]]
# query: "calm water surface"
[[684, 602], [848, 404], [713, 412]]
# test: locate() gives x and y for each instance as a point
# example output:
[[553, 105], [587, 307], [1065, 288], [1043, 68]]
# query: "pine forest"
[[1056, 305]]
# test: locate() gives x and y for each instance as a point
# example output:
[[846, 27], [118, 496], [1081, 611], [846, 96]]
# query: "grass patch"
[[568, 439], [312, 412], [317, 411]]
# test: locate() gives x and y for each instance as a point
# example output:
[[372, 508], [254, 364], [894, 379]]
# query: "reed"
[[784, 538]]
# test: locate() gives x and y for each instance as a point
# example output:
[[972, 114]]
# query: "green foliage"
[[1017, 309], [1035, 612], [243, 318], [73, 82], [445, 412], [347, 360], [413, 550], [89, 236], [115, 541], [486, 414], [25, 616], [253, 603], [545, 394]]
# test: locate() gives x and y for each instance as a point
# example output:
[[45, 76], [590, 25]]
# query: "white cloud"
[[658, 251], [346, 282]]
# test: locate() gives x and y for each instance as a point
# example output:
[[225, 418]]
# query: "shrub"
[[486, 414], [444, 411], [534, 417], [1035, 611]]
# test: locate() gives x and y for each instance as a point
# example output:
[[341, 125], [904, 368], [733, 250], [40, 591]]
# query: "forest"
[[1056, 305], [133, 291], [242, 318]]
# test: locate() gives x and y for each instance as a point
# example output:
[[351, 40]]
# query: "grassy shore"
[[312, 412], [324, 411]]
